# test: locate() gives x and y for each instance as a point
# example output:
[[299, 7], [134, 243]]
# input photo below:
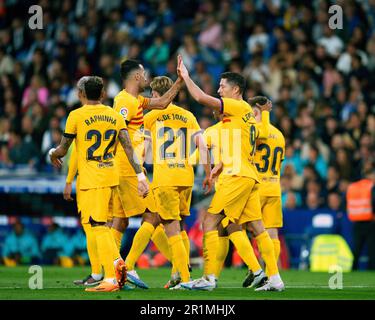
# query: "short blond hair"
[[161, 84]]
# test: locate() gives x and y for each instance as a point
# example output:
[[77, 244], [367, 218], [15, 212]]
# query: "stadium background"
[[320, 81]]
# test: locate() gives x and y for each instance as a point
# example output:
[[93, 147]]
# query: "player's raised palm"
[[181, 68]]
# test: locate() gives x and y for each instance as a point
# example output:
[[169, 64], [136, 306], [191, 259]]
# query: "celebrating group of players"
[[111, 185]]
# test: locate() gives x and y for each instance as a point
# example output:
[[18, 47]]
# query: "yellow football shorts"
[[127, 203], [272, 213], [173, 202], [95, 203], [239, 198]]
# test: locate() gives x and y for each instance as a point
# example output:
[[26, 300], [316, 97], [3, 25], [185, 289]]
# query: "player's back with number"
[[96, 128], [269, 155], [172, 131]]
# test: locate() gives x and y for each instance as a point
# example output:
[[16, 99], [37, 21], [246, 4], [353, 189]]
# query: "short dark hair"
[[235, 79], [92, 87], [128, 66], [261, 100]]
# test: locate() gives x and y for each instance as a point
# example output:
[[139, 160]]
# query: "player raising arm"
[[130, 104], [236, 202]]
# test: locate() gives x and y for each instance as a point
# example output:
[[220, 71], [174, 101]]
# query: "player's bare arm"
[[264, 126], [216, 171], [165, 99], [197, 93], [60, 152], [125, 141]]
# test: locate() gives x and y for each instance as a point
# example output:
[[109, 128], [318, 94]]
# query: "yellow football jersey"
[[238, 139], [212, 137], [95, 129], [172, 131], [131, 109], [268, 157]]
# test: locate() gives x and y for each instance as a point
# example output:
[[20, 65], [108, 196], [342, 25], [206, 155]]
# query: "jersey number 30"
[[266, 159]]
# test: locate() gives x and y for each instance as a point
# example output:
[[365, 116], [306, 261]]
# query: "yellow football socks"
[[117, 236], [276, 248], [245, 250], [160, 239], [221, 254], [205, 255], [92, 250], [140, 242], [105, 245], [186, 241], [179, 257], [266, 249], [212, 242]]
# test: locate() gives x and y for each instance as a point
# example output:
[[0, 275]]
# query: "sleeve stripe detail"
[[145, 102], [222, 106], [136, 122], [137, 118], [69, 135]]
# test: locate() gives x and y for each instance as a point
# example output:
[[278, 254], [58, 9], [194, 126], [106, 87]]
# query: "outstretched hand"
[[181, 68]]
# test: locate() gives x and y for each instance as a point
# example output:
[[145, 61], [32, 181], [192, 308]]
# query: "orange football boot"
[[104, 286], [121, 273]]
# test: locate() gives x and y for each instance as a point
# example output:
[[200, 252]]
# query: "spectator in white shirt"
[[332, 43]]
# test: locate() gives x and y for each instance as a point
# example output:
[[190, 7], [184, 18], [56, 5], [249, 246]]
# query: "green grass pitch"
[[57, 285]]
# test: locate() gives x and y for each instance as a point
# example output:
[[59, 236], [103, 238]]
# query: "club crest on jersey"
[[124, 113]]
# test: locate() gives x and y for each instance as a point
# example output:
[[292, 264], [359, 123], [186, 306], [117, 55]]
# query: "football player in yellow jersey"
[[96, 275], [130, 105], [237, 200], [174, 134], [268, 165], [213, 139], [268, 157], [97, 129]]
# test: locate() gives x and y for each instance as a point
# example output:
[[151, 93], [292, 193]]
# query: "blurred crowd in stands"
[[24, 246], [50, 243], [321, 81]]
